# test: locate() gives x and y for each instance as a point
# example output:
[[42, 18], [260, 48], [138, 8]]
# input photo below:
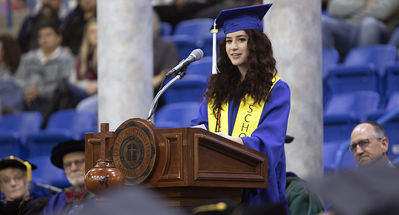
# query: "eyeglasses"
[[7, 180], [362, 144], [68, 165]]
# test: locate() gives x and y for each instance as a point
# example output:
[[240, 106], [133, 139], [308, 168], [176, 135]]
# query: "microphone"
[[194, 56]]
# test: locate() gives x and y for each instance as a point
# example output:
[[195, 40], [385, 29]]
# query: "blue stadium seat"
[[63, 125], [47, 173], [392, 125], [363, 69], [185, 44], [165, 29], [379, 56], [202, 67], [176, 115], [392, 80], [207, 43], [358, 105], [13, 131], [338, 127], [337, 157], [343, 79], [189, 89], [345, 159], [330, 58], [330, 150], [197, 29]]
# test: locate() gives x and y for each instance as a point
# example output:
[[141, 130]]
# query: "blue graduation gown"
[[267, 138]]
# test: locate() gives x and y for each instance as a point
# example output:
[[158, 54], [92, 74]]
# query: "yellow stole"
[[247, 120]]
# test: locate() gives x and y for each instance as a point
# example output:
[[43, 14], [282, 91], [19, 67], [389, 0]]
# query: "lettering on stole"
[[247, 119], [134, 153]]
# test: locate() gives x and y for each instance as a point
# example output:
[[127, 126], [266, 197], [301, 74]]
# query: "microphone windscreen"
[[197, 53]]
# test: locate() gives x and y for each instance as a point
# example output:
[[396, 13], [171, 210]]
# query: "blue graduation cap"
[[236, 19]]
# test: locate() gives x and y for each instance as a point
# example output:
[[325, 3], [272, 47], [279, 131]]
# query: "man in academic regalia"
[[70, 157]]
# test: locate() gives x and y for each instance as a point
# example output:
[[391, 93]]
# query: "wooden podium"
[[189, 166]]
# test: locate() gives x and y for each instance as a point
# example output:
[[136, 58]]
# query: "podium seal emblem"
[[134, 150]]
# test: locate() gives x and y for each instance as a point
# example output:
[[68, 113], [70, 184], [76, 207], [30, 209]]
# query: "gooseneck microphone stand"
[[179, 75]]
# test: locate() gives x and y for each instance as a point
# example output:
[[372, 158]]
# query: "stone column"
[[125, 60], [294, 28]]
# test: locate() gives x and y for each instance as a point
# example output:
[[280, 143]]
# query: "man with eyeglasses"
[[15, 175], [70, 156], [369, 143]]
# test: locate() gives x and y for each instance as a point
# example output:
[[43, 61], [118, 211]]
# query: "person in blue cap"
[[245, 100]]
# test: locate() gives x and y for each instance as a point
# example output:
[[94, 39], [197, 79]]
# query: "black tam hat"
[[63, 148]]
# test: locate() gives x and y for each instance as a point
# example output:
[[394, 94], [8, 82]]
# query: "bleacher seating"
[[185, 44], [358, 105], [378, 56], [345, 79], [47, 173], [202, 67], [189, 89], [330, 58], [63, 125], [197, 29], [338, 127], [392, 125], [207, 43], [190, 34], [176, 115], [337, 157], [13, 131], [391, 80]]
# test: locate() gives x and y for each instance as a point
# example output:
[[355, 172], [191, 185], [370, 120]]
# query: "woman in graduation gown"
[[245, 100]]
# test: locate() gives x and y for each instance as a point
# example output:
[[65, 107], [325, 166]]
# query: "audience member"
[[354, 23], [369, 143], [42, 70], [301, 200], [165, 54], [11, 99], [10, 55], [70, 157], [73, 27], [49, 11], [85, 74], [15, 175]]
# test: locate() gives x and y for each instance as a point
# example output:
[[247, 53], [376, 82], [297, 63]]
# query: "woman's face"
[[13, 183], [92, 33], [237, 49]]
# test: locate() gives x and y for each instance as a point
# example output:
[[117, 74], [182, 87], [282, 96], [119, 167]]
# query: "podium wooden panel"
[[190, 166]]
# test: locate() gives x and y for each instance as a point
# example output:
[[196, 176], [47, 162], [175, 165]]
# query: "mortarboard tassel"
[[214, 31]]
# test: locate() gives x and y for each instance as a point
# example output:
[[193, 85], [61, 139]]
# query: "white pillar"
[[294, 28], [125, 60]]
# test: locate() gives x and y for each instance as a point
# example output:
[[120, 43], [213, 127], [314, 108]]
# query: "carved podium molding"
[[190, 166]]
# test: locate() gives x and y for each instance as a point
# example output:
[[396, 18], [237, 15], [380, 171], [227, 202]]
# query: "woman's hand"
[[235, 139]]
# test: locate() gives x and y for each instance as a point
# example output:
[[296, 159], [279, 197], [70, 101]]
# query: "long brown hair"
[[11, 52], [85, 50], [227, 84]]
